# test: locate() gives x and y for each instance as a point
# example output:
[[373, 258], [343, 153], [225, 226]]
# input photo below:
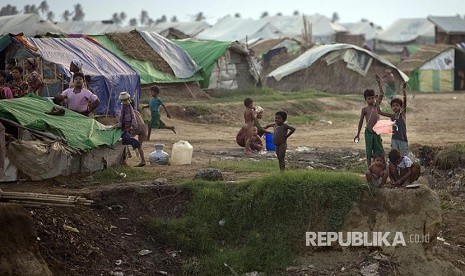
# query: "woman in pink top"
[[5, 91]]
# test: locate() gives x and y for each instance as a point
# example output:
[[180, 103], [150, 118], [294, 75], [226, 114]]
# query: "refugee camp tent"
[[320, 27], [339, 68], [188, 28], [91, 27], [403, 32], [29, 24], [436, 68], [43, 145], [158, 62], [110, 75], [448, 29], [365, 29], [244, 30], [226, 64]]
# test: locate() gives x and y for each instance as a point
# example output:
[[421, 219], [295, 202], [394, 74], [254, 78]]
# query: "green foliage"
[[247, 166], [122, 174], [265, 219]]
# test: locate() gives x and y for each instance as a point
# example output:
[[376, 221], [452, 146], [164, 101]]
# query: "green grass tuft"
[[113, 174], [265, 219]]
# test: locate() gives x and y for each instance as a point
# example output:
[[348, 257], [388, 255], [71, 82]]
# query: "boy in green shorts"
[[154, 104]]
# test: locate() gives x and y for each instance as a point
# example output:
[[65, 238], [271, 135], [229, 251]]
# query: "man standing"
[[78, 98]]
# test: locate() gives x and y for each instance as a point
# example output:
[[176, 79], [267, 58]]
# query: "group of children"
[[401, 170]]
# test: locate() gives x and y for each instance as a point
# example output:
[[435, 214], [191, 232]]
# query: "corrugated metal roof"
[[449, 24]]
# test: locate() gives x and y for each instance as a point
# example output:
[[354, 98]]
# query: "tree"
[[174, 19], [237, 15], [122, 16], [296, 12], [200, 17], [335, 17], [31, 9], [65, 16], [264, 14], [115, 18], [144, 17], [78, 13], [279, 14], [43, 7], [132, 22], [50, 16], [8, 10]]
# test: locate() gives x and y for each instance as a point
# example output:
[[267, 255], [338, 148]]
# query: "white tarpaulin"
[[29, 24], [444, 61]]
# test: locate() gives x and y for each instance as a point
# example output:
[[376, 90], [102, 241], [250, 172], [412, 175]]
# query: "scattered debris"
[[210, 174], [144, 252], [70, 229]]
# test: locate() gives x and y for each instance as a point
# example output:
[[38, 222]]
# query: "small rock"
[[160, 181], [209, 174], [144, 252]]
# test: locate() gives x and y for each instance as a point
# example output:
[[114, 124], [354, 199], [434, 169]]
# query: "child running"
[[399, 117], [281, 132], [373, 142], [154, 104]]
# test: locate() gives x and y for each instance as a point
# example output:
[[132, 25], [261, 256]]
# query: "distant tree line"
[[77, 14]]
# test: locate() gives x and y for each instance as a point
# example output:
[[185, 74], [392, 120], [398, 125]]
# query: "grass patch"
[[303, 119], [265, 220], [241, 166], [130, 174]]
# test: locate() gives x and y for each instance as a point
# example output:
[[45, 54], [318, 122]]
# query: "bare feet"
[[140, 165]]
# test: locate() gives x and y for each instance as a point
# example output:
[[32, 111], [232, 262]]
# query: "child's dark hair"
[[155, 89], [11, 61], [394, 156], [248, 101], [78, 74], [282, 114], [368, 93], [378, 154], [396, 100], [19, 68]]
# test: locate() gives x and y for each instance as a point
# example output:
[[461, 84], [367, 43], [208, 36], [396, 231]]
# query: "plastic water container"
[[269, 141], [181, 153]]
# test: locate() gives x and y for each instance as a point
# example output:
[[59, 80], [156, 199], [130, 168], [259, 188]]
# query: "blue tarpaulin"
[[110, 74]]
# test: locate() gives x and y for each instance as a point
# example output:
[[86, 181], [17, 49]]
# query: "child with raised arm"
[[249, 118], [373, 142], [377, 173], [281, 132], [399, 117]]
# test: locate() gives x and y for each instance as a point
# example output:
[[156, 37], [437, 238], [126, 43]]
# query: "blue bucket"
[[269, 141]]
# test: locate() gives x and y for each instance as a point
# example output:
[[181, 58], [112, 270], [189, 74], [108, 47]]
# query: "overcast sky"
[[382, 13]]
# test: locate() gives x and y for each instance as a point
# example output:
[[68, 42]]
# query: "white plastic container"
[[181, 153]]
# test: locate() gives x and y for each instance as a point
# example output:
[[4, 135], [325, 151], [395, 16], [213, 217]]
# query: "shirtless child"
[[249, 118], [377, 173], [373, 141]]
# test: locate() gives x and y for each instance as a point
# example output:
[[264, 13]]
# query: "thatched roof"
[[134, 46], [423, 55]]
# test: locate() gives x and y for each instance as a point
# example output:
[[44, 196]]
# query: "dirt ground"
[[112, 235]]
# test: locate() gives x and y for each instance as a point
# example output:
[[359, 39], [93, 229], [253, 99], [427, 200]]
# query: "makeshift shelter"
[[365, 30], [231, 28], [339, 68], [226, 65], [403, 32], [29, 24], [156, 59], [188, 28], [91, 27], [435, 68], [110, 75], [448, 29], [42, 146]]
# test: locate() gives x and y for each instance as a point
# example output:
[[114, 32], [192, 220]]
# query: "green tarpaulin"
[[147, 72], [205, 54], [76, 130]]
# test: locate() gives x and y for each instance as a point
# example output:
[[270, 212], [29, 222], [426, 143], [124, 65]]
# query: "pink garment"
[[79, 102], [5, 93], [383, 127]]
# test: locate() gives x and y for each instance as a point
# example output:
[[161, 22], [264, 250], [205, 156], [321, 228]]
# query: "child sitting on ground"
[[377, 173], [402, 171], [256, 144], [281, 132]]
